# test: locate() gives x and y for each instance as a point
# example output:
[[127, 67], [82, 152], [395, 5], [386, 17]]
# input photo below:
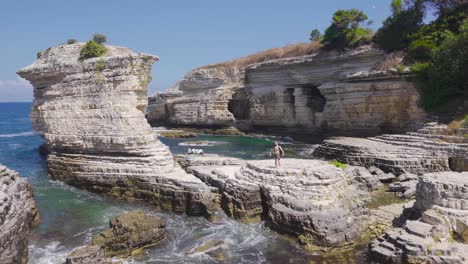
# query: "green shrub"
[[71, 41], [91, 49], [395, 33], [40, 54], [338, 164], [419, 51], [445, 75], [99, 38], [315, 35], [345, 31], [100, 65]]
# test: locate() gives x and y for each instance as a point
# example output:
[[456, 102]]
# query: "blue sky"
[[184, 34]]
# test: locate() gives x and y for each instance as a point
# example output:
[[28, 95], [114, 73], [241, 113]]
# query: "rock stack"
[[441, 233], [308, 198], [128, 235], [91, 114], [18, 213], [430, 149]]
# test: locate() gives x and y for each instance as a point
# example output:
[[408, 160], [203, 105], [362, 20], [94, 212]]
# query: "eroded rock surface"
[[429, 149], [325, 91], [308, 198], [128, 235], [440, 235], [91, 115], [18, 213]]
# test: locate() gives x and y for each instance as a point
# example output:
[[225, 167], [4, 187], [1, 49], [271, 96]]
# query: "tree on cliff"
[[345, 30], [99, 38], [315, 35]]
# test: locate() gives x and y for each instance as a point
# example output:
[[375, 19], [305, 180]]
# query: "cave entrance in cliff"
[[239, 106], [314, 98]]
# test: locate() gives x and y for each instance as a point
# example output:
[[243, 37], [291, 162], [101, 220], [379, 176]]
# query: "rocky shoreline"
[[91, 115]]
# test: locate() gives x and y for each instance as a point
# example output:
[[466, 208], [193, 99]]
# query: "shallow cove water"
[[69, 216]]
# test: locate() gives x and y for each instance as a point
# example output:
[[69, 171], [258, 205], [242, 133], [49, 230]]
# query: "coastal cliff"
[[340, 92], [18, 213], [91, 115]]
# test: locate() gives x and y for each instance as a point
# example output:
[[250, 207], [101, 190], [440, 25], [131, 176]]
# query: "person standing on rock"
[[278, 152]]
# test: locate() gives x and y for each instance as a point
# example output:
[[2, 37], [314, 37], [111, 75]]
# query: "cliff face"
[[324, 91], [18, 213], [201, 98], [91, 115]]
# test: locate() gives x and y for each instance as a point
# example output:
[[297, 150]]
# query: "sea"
[[70, 216]]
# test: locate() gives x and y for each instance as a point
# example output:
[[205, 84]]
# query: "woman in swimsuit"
[[278, 152]]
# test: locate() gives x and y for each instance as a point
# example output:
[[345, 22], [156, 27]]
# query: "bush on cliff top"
[[91, 49], [99, 38], [345, 30]]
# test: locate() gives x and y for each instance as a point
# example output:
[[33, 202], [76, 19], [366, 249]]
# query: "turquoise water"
[[69, 216]]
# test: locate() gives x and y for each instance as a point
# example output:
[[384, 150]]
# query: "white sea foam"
[[22, 134]]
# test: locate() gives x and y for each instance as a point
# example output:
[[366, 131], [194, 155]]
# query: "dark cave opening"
[[315, 100]]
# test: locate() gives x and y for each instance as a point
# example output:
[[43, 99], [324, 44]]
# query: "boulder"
[[127, 236]]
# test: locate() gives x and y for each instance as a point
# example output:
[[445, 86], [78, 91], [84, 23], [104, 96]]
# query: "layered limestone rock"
[[128, 235], [431, 148], [18, 213], [200, 99], [91, 115], [326, 91], [308, 198], [440, 235]]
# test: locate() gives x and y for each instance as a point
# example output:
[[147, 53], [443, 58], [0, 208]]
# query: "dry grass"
[[458, 123], [292, 50]]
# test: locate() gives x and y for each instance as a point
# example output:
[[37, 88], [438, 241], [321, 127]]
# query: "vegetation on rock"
[[99, 38], [315, 35], [71, 41], [437, 51], [345, 30], [338, 164], [91, 49]]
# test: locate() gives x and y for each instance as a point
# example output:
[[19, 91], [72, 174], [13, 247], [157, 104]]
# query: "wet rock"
[[438, 236], [127, 236], [88, 255], [212, 248], [176, 134], [91, 115], [18, 213]]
